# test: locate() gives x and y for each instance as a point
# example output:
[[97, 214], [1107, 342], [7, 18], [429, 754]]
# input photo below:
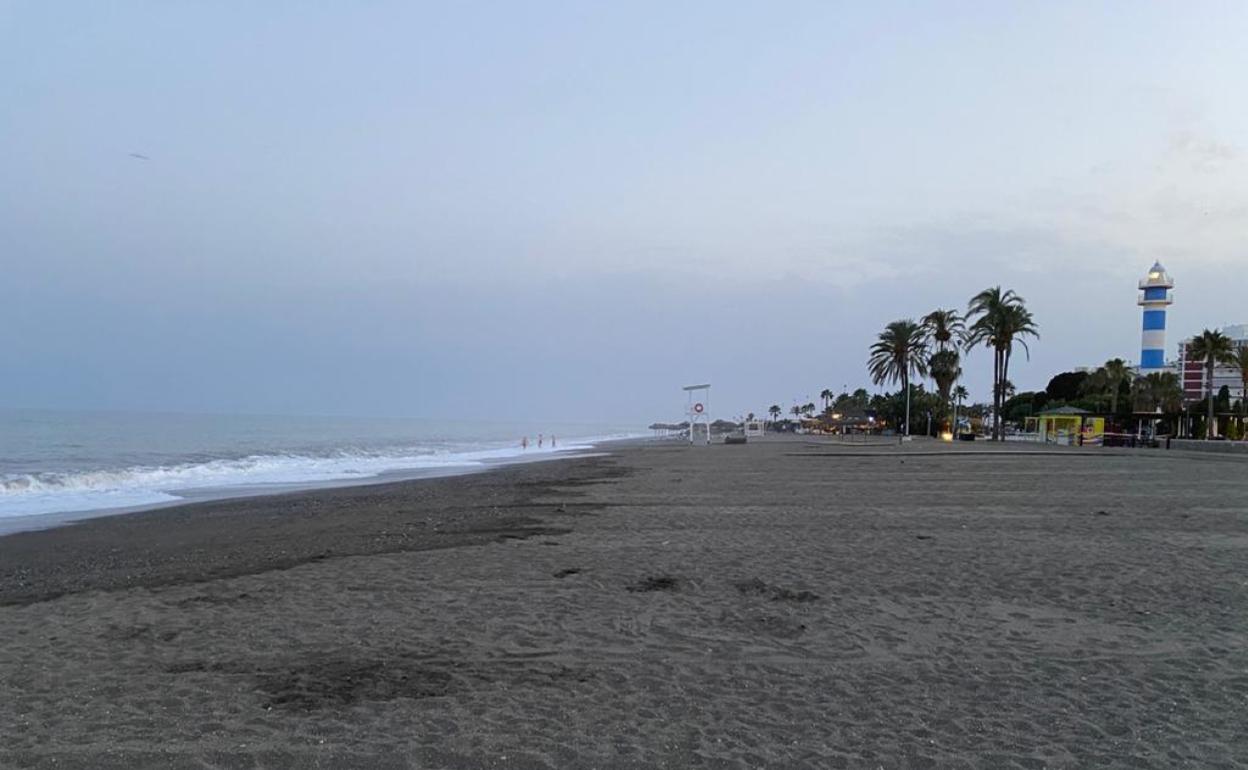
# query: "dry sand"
[[780, 604]]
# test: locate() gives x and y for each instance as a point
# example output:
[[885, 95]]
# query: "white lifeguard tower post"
[[698, 409]]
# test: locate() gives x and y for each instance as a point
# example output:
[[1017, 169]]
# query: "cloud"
[[1201, 154]]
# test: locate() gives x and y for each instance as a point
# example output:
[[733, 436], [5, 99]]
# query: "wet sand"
[[782, 604]]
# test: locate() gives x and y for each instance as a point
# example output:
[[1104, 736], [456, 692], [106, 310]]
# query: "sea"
[[59, 466]]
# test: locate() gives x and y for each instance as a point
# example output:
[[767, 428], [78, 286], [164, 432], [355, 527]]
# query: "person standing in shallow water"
[[552, 441], [539, 441], [524, 443]]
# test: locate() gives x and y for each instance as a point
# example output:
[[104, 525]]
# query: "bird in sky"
[[139, 156]]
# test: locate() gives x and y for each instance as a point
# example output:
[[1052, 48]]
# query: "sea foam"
[[33, 494]]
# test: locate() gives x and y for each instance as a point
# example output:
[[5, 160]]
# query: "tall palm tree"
[[900, 352], [1112, 375], [946, 328], [827, 395], [1000, 320], [774, 410], [1107, 381], [960, 394], [1212, 348], [945, 369]]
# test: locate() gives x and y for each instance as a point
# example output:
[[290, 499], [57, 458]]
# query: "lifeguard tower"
[[697, 410]]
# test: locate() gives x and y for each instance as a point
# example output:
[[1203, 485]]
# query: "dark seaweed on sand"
[[756, 587], [655, 583]]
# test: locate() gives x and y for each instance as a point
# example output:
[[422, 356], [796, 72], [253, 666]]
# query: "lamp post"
[[907, 410]]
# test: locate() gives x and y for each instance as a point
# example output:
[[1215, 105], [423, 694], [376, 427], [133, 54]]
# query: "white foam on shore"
[[52, 493]]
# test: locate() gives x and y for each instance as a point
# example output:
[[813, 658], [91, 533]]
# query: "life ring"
[[697, 408]]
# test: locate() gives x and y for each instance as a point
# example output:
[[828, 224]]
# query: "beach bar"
[[1067, 425]]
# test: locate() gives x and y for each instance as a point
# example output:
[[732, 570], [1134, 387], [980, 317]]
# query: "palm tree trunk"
[[1209, 396], [1005, 378], [1001, 402], [997, 387], [905, 383], [996, 378]]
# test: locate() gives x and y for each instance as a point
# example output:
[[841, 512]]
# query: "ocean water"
[[55, 463]]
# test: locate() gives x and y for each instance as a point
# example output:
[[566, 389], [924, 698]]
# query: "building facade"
[[1192, 371]]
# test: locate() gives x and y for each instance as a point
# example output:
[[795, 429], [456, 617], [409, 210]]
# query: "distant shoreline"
[[10, 525]]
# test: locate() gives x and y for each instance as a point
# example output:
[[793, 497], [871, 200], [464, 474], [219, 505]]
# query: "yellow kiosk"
[[1070, 425]]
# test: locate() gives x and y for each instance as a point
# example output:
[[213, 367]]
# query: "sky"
[[569, 210]]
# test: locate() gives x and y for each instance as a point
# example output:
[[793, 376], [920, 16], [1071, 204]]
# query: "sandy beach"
[[787, 603]]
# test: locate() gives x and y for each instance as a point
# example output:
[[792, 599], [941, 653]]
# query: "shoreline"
[[258, 533], [34, 522]]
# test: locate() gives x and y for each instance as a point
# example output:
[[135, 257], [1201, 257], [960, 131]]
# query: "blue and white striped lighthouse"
[[1154, 297]]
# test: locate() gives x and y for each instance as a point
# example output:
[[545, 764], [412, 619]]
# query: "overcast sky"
[[572, 209]]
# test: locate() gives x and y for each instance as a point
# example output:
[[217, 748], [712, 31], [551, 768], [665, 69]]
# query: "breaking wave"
[[66, 492]]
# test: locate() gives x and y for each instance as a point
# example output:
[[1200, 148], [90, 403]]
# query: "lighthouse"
[[1154, 297]]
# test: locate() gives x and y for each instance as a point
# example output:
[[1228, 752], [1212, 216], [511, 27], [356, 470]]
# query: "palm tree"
[[774, 410], [1240, 362], [945, 327], [1159, 392], [1116, 371], [827, 395], [945, 369], [1001, 319], [959, 394], [1213, 348], [795, 410], [900, 352], [1108, 379]]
